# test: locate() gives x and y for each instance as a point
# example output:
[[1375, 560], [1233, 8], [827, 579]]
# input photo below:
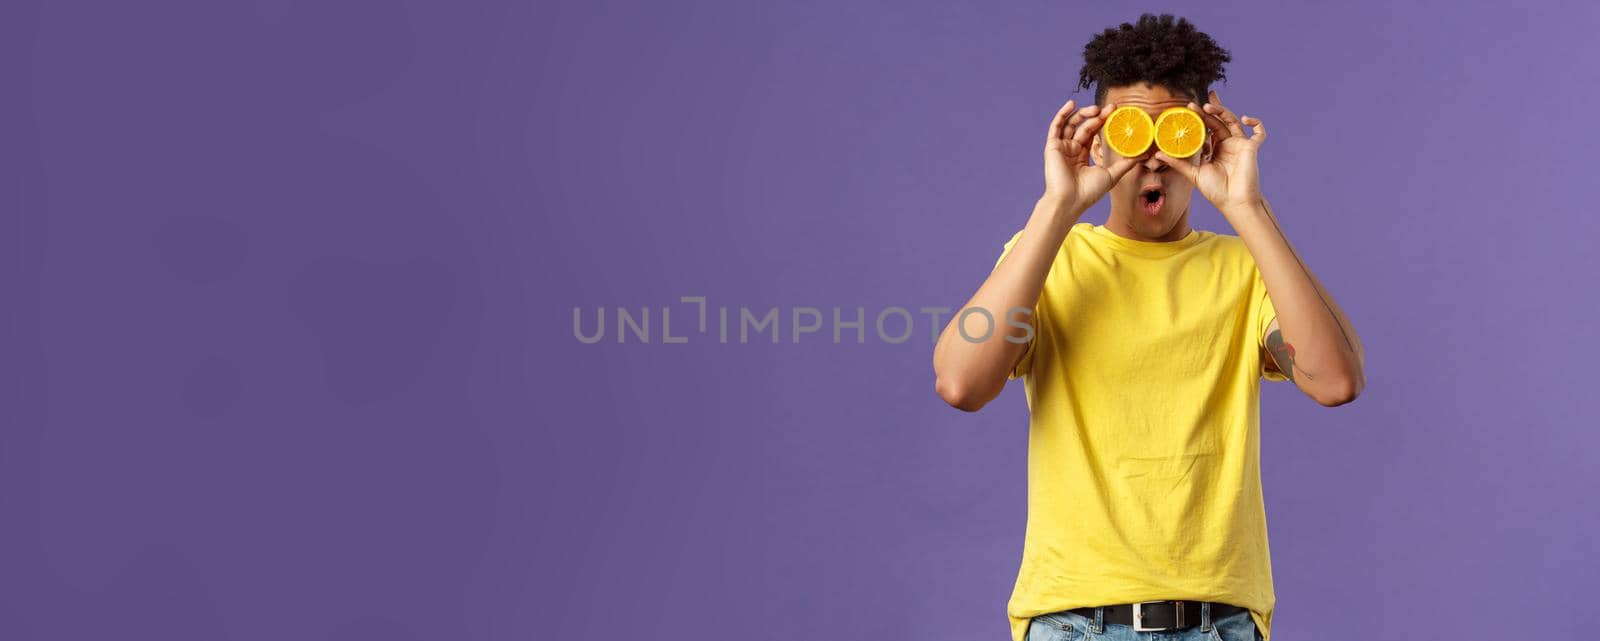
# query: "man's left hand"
[[1229, 179]]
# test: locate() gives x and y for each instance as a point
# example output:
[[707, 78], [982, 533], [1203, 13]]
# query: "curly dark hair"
[[1161, 50]]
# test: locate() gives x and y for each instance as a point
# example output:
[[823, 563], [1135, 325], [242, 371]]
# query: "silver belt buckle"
[[1138, 617]]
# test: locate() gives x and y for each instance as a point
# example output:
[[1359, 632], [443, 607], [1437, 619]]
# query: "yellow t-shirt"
[[1143, 386]]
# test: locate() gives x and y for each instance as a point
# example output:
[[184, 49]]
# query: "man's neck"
[[1117, 223]]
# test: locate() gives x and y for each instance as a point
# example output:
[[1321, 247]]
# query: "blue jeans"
[[1071, 626]]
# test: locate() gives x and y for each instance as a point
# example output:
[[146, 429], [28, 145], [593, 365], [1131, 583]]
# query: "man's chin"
[[1157, 221]]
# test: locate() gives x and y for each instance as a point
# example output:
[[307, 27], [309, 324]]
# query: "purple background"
[[289, 290]]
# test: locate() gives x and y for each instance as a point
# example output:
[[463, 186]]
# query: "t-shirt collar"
[[1146, 247]]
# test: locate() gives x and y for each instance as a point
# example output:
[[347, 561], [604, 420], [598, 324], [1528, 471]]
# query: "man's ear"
[[1095, 152]]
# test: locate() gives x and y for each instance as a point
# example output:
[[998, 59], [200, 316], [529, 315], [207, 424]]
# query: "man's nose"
[[1152, 165]]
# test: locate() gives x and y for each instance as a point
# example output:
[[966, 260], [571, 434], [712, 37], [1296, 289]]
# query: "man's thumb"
[[1185, 169]]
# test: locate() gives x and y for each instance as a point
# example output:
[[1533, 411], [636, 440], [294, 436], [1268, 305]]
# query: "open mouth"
[[1152, 198]]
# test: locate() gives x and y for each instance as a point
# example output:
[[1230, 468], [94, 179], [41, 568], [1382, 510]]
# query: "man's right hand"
[[1069, 176], [969, 373]]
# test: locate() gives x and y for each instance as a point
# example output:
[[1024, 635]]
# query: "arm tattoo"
[[1283, 354], [1273, 218]]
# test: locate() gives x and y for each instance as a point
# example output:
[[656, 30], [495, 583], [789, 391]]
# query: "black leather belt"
[[1159, 615]]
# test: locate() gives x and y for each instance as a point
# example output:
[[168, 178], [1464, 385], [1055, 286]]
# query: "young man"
[[1143, 343]]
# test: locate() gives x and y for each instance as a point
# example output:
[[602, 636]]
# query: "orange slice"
[[1180, 132], [1128, 131]]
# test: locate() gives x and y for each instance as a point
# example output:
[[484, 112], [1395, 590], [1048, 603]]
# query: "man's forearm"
[[1325, 347], [972, 372]]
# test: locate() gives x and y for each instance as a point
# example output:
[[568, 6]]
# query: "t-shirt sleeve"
[[1262, 315], [1025, 364]]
